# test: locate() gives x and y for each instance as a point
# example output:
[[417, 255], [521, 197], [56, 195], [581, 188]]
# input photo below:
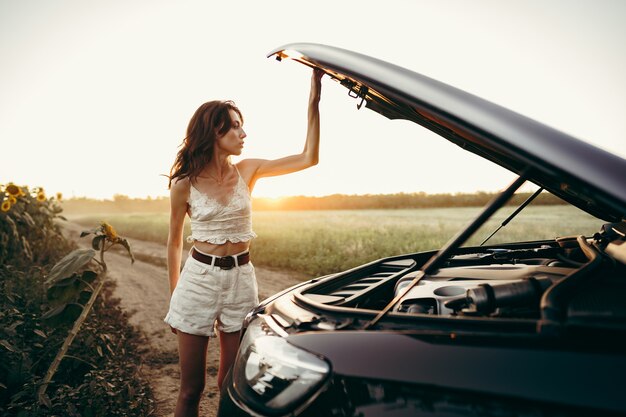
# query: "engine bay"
[[513, 290], [574, 280]]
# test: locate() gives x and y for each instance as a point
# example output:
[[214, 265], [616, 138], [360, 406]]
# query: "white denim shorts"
[[208, 297]]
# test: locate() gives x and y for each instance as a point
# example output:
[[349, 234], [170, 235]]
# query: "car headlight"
[[272, 376]]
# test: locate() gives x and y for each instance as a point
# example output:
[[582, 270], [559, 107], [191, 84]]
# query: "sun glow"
[[272, 202]]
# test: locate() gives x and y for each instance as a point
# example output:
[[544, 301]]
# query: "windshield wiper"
[[515, 213], [432, 265]]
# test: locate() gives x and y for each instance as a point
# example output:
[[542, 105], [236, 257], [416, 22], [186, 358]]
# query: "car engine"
[[578, 279]]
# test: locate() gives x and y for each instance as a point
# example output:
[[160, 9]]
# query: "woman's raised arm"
[[310, 154]]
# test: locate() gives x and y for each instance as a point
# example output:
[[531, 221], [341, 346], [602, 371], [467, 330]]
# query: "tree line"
[[124, 204]]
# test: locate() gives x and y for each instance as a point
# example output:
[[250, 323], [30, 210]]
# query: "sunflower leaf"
[[28, 219], [125, 243], [97, 242], [71, 263], [54, 311], [89, 232], [7, 345]]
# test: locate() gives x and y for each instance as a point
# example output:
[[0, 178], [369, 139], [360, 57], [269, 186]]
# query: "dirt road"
[[144, 293]]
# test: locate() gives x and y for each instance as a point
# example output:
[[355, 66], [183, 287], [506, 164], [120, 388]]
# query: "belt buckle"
[[234, 262]]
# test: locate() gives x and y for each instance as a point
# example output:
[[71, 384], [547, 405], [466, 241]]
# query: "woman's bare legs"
[[229, 344], [192, 351]]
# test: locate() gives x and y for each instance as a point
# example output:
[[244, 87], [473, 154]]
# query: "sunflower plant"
[[106, 237], [68, 279], [28, 227], [57, 315]]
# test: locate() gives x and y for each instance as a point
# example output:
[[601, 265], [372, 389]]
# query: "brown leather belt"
[[224, 262]]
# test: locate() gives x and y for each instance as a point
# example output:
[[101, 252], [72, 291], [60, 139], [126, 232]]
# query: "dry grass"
[[321, 242]]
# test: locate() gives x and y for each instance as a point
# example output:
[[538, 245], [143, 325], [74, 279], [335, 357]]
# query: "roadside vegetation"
[[66, 347], [319, 242]]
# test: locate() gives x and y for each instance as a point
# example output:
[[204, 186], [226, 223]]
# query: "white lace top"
[[216, 223]]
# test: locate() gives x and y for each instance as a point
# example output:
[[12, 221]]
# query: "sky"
[[95, 96]]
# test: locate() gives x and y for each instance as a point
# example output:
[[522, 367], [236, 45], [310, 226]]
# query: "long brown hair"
[[211, 121]]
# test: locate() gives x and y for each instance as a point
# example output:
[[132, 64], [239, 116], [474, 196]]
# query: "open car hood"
[[583, 175]]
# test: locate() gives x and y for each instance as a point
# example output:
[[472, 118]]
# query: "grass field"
[[321, 242]]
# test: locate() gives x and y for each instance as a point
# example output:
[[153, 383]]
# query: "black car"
[[534, 328]]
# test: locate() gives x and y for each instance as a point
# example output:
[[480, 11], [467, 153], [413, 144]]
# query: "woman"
[[217, 285]]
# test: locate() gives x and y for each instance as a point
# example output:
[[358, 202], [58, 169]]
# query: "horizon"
[[412, 193], [130, 206]]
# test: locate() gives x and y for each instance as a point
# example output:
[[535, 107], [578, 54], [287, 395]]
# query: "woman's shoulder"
[[247, 169], [249, 166], [181, 182], [180, 186]]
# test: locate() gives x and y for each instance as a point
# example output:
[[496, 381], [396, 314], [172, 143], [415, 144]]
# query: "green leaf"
[[97, 242], [70, 264]]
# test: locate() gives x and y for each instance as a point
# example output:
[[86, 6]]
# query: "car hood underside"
[[583, 175]]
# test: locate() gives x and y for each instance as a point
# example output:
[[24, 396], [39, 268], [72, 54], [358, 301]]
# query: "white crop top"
[[216, 223]]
